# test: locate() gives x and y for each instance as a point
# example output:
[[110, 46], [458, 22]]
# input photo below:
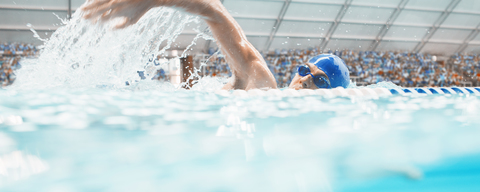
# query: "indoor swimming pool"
[[69, 123]]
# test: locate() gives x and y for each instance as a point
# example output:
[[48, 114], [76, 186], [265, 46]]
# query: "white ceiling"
[[437, 26]]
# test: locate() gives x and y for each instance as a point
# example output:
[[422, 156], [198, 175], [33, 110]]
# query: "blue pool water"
[[127, 139]]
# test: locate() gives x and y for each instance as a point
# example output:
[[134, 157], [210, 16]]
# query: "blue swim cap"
[[334, 67]]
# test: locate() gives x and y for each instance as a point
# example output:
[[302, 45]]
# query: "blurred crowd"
[[216, 66], [405, 69], [17, 49], [10, 56], [468, 67], [366, 67], [7, 67], [402, 68], [369, 67]]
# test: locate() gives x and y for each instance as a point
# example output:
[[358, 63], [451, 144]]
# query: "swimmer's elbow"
[[253, 56]]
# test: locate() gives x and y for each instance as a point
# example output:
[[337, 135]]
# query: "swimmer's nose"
[[297, 86]]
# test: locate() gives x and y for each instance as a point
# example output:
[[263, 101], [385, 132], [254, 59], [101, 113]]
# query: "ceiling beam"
[[32, 9], [337, 21], [302, 36], [351, 22], [436, 25], [470, 38], [382, 6], [20, 29], [387, 25], [277, 24]]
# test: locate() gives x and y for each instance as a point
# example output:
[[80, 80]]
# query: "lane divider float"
[[365, 92]]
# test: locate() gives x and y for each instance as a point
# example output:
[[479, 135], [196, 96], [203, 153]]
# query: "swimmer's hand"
[[104, 10], [133, 10]]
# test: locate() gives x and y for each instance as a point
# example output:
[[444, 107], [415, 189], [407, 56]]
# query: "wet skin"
[[249, 69], [306, 82]]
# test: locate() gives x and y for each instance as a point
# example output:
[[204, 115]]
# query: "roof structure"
[[433, 26]]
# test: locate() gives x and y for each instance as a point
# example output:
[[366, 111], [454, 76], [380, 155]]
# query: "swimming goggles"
[[320, 81]]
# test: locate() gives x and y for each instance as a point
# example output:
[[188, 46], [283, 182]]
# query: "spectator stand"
[[406, 69], [214, 65], [18, 49], [10, 56]]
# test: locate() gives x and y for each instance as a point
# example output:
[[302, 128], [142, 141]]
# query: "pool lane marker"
[[435, 91], [397, 91], [469, 90], [341, 92]]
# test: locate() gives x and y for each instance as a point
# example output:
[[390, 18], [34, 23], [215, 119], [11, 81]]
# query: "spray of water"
[[82, 55]]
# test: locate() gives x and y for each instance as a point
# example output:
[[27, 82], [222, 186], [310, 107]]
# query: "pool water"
[[147, 139]]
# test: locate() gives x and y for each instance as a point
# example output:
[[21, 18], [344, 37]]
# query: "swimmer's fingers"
[[110, 14], [127, 22], [102, 10], [123, 24], [91, 5], [97, 12], [119, 11]]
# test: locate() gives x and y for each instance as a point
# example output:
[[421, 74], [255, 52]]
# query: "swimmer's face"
[[306, 82]]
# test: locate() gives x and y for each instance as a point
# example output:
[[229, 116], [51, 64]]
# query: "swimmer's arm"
[[249, 70], [248, 66]]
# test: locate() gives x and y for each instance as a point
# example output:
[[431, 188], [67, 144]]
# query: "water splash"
[[82, 55], [85, 55]]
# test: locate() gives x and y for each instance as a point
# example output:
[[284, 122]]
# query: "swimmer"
[[249, 69]]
